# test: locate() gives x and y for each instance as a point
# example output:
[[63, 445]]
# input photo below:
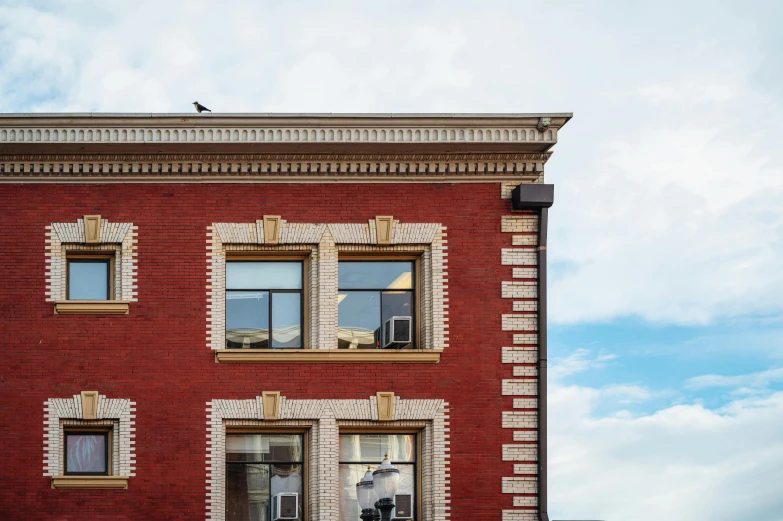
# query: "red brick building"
[[213, 316]]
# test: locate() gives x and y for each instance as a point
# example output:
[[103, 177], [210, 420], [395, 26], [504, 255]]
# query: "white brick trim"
[[523, 356], [323, 418], [323, 242], [119, 238], [120, 413]]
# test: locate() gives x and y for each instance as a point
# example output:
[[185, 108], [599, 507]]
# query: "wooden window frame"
[[391, 429], [110, 306], [273, 256], [108, 481], [383, 256], [308, 354], [107, 257], [89, 429], [281, 429]]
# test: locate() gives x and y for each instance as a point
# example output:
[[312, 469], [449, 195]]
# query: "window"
[[370, 294], [87, 453], [260, 467], [358, 451], [260, 293], [89, 278]]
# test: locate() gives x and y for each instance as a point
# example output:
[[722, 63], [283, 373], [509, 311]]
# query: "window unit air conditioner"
[[396, 333], [285, 506], [403, 506]]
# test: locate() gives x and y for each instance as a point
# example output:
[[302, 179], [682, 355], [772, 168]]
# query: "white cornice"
[[274, 147], [281, 128], [269, 168]]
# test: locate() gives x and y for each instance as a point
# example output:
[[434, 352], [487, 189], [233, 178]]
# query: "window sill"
[[95, 307], [90, 482], [334, 356]]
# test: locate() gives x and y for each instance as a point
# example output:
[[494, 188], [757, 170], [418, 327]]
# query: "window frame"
[[91, 257], [417, 463], [304, 300], [89, 430], [304, 432], [381, 256]]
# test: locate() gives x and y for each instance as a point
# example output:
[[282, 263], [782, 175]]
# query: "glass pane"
[[263, 275], [88, 280], [375, 275], [247, 319], [352, 473], [247, 492], [264, 447], [286, 320], [370, 448], [358, 316], [286, 478], [86, 453], [396, 304]]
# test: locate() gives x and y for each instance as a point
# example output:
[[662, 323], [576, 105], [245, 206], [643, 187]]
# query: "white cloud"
[[745, 382], [577, 362], [668, 178], [681, 462]]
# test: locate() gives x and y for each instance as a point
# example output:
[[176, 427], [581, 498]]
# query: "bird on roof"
[[200, 107]]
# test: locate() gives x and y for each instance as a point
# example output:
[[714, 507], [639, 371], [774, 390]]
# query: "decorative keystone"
[[271, 403], [385, 406], [92, 229], [89, 405], [272, 229], [384, 228]]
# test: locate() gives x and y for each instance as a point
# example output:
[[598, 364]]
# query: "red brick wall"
[[157, 354]]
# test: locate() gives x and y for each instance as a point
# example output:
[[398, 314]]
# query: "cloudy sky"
[[667, 234]]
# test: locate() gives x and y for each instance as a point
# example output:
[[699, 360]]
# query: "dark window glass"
[[88, 279], [359, 451], [260, 294], [86, 453], [258, 467], [396, 304], [369, 294]]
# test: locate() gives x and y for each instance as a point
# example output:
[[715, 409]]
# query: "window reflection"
[[260, 293], [258, 467], [369, 294], [358, 451], [86, 453]]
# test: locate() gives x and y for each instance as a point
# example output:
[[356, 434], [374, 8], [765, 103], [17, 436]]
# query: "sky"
[[666, 315]]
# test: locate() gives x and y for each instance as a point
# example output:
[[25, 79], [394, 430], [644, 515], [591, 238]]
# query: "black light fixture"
[[532, 196], [385, 482]]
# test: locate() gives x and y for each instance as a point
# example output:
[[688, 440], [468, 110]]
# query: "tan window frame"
[[304, 258], [419, 432], [282, 429]]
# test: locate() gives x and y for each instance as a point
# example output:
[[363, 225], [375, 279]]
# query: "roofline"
[[106, 133], [291, 115]]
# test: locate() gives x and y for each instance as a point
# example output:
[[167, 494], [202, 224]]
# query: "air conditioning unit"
[[403, 506], [285, 506], [396, 333]]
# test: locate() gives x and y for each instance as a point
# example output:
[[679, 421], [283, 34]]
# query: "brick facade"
[[160, 356]]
